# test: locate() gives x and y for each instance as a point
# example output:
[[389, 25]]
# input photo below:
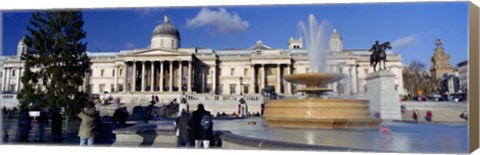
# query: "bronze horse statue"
[[379, 55]]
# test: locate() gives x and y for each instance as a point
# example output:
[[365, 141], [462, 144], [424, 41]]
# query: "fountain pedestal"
[[384, 99]]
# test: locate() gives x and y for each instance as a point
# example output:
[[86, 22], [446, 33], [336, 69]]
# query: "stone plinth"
[[384, 99]]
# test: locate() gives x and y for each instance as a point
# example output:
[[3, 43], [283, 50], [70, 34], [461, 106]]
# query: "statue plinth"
[[384, 99]]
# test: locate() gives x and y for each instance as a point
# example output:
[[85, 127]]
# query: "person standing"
[[24, 124], [202, 125], [415, 115], [120, 117], [57, 122], [39, 124], [182, 124], [429, 116], [87, 131]]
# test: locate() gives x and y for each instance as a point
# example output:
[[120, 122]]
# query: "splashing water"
[[316, 39]]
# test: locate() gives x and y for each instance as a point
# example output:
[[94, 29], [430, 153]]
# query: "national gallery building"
[[168, 70]]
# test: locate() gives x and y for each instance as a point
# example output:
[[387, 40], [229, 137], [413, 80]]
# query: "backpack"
[[206, 122]]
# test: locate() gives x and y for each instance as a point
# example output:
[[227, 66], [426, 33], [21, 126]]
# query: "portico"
[[159, 71]]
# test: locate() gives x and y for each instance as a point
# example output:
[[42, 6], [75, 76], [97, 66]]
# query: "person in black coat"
[[200, 134], [182, 124], [57, 122], [24, 124]]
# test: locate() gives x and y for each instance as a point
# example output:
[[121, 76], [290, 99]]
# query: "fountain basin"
[[319, 113], [313, 79]]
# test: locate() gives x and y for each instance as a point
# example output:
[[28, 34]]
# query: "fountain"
[[317, 111]]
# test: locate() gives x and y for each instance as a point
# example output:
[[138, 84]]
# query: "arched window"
[[173, 43]]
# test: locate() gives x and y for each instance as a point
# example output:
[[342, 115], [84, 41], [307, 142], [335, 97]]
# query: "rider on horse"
[[378, 54], [376, 47]]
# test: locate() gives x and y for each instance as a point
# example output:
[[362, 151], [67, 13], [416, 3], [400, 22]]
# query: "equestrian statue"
[[378, 55]]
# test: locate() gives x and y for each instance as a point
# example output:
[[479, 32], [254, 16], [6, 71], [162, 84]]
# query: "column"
[[134, 82], [252, 80], [143, 76], [170, 80], [180, 76], [18, 79], [152, 79], [161, 76], [7, 81], [189, 82], [214, 82], [354, 79], [290, 88], [262, 79], [115, 85], [4, 79], [125, 64], [279, 66]]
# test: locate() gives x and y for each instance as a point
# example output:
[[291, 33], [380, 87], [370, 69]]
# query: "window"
[[102, 88], [396, 87], [112, 88], [13, 73], [173, 43], [101, 72], [219, 71], [120, 72], [269, 71], [340, 70], [232, 71], [161, 42], [220, 89], [113, 72], [232, 88], [89, 89], [307, 70], [245, 89], [120, 87], [245, 71]]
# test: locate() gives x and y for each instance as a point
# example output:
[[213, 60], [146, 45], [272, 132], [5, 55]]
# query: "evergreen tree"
[[55, 62]]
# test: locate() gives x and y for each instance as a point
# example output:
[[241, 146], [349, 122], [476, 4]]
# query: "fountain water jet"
[[316, 112]]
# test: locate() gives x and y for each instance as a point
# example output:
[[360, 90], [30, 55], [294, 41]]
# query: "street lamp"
[[241, 85]]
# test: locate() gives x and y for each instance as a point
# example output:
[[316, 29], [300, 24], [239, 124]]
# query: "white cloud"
[[218, 22], [147, 12], [406, 41], [129, 45]]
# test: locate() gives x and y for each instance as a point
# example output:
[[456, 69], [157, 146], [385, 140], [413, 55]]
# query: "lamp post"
[[241, 85]]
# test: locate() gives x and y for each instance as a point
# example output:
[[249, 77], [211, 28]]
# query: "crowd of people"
[[36, 121]]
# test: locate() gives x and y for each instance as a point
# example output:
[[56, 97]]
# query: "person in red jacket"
[[415, 115], [429, 116]]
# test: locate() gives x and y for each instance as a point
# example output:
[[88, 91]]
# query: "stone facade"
[[440, 62], [169, 70], [463, 75]]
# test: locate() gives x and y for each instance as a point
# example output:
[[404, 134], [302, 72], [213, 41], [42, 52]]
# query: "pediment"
[[159, 52]]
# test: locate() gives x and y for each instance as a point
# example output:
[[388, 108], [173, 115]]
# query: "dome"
[[335, 35], [166, 29]]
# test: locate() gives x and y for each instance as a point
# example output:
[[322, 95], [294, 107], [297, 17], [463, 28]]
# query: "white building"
[[169, 70], [463, 75]]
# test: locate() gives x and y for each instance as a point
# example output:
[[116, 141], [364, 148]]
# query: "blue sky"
[[411, 27]]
